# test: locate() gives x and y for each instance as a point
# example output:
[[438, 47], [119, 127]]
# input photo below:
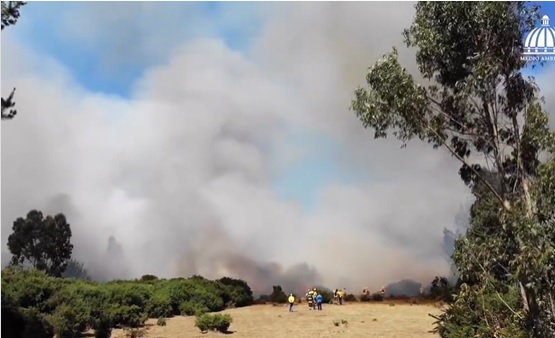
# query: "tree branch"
[[504, 203]]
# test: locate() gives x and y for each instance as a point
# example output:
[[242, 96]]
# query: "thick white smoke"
[[179, 175]]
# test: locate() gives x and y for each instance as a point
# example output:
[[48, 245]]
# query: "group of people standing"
[[313, 298]]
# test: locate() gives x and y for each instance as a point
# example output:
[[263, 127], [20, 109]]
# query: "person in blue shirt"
[[319, 301]]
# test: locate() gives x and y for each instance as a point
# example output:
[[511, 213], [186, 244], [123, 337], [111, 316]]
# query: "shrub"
[[102, 327], [37, 305], [263, 299], [30, 288], [350, 298], [278, 296], [130, 294], [377, 297], [192, 309], [134, 332], [179, 291], [148, 278], [35, 325], [237, 292], [127, 315], [159, 305], [210, 300], [441, 289], [12, 315], [326, 293], [69, 321], [365, 298], [217, 322]]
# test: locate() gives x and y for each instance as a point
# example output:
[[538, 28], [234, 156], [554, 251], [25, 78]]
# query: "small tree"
[[278, 296], [44, 243]]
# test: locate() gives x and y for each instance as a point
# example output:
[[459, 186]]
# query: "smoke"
[[178, 178]]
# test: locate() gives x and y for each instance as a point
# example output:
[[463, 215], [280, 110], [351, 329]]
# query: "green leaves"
[[10, 15], [37, 303], [393, 101], [10, 12], [481, 108], [44, 243], [471, 52]]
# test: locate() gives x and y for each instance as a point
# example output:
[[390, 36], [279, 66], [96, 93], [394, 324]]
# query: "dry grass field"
[[364, 320]]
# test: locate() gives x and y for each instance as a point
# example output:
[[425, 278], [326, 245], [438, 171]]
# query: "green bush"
[[148, 278], [69, 321], [237, 292], [365, 298], [159, 305], [278, 296], [36, 326], [217, 322], [102, 326], [37, 305], [350, 298], [326, 293], [377, 297], [192, 309], [211, 301], [179, 291], [127, 315], [30, 288], [12, 315]]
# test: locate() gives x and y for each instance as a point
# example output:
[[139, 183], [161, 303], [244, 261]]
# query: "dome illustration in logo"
[[541, 40]]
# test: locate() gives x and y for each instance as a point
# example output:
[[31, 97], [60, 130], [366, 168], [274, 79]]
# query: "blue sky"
[[301, 182]]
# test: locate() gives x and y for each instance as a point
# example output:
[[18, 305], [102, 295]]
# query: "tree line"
[[38, 305]]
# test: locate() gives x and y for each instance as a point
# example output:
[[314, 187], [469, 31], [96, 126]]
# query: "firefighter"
[[310, 299], [314, 294], [291, 301]]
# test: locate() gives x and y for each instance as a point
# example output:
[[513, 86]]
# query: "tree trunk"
[[528, 294]]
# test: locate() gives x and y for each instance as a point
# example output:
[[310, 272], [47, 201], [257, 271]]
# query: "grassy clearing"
[[350, 320]]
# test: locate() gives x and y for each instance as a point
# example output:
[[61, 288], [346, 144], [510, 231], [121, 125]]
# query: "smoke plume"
[[179, 177]]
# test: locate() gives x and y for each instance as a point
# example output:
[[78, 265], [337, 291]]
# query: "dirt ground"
[[268, 321]]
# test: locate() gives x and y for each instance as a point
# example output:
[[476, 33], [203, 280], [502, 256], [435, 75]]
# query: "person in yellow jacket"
[[291, 301], [341, 295]]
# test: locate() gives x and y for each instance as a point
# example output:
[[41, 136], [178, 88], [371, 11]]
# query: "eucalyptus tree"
[[475, 102]]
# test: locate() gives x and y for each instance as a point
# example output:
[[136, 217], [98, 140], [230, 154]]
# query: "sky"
[[165, 129]]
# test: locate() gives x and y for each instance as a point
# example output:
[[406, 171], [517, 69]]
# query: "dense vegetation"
[[37, 305], [480, 108]]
